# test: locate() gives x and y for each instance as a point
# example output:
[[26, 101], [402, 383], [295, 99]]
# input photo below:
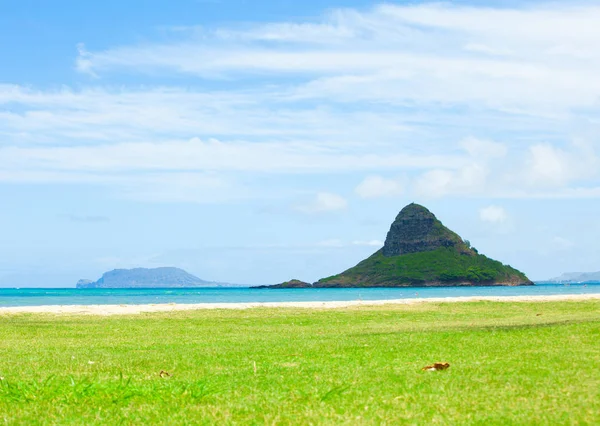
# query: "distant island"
[[147, 278], [420, 251], [577, 277], [288, 284]]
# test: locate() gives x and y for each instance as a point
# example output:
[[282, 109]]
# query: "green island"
[[419, 251], [509, 364]]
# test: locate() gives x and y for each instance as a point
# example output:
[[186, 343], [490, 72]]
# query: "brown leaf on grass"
[[436, 366], [164, 374]]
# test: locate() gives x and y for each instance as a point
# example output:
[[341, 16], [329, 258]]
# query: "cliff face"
[[145, 278], [420, 251], [416, 230]]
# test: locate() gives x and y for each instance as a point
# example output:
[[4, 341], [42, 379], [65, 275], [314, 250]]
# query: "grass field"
[[511, 363]]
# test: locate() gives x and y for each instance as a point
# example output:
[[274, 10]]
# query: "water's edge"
[[71, 296]]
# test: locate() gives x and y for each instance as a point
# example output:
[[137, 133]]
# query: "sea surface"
[[71, 296]]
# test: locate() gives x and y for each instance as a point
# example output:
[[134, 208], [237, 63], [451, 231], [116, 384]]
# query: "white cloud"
[[383, 91], [493, 214], [185, 187], [483, 149], [537, 171], [123, 115], [377, 187], [429, 53], [548, 166], [434, 183], [208, 155], [324, 202], [84, 63], [482, 48], [551, 167], [468, 180]]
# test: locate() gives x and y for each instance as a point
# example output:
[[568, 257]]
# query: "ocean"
[[70, 296]]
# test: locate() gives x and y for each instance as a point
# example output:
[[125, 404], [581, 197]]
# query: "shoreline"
[[107, 310]]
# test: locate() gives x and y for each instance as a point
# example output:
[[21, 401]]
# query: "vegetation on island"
[[288, 284], [508, 365], [444, 266], [420, 251]]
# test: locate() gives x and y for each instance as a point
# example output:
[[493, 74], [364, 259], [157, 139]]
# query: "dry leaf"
[[436, 366]]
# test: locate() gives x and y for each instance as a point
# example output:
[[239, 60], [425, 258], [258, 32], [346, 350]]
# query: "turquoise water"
[[70, 296]]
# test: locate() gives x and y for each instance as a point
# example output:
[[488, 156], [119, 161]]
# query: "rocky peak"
[[416, 230]]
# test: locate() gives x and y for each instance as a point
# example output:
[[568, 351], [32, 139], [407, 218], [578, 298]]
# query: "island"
[[287, 284], [577, 278], [419, 251], [166, 277]]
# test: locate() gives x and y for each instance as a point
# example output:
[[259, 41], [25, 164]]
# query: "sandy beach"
[[138, 309]]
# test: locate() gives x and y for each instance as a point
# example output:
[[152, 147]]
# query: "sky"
[[257, 141]]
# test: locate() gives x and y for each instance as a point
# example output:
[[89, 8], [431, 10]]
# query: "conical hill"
[[420, 251]]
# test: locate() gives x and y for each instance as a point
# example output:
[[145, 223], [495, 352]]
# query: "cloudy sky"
[[257, 141]]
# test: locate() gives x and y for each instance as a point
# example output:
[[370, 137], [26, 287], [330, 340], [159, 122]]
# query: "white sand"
[[138, 309]]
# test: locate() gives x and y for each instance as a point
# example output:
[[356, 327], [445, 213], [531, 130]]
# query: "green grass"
[[292, 366], [443, 265]]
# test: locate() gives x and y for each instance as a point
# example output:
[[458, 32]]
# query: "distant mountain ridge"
[[166, 277], [577, 277]]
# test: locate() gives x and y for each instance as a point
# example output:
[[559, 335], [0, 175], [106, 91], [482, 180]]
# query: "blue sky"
[[253, 142]]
